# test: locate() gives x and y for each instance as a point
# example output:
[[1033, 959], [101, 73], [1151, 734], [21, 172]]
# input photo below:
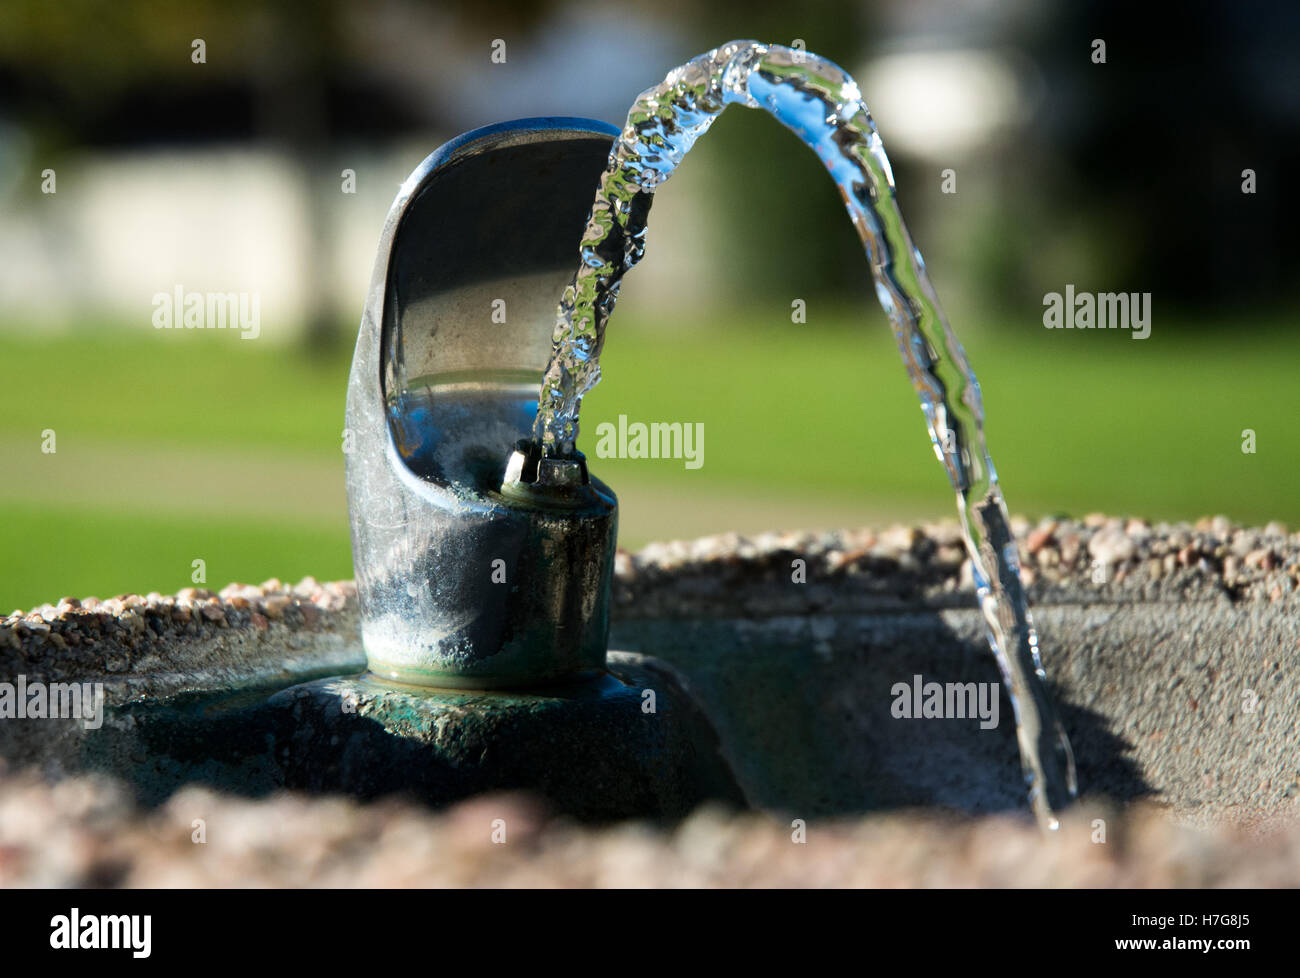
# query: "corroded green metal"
[[627, 743]]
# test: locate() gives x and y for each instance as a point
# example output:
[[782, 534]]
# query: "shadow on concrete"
[[804, 708]]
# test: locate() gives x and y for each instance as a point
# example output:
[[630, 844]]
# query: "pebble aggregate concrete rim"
[[1173, 650], [86, 832]]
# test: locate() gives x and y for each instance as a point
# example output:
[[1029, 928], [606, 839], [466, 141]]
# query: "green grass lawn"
[[50, 552], [819, 412]]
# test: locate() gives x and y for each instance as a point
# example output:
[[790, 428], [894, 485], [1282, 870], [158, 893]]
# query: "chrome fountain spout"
[[476, 568]]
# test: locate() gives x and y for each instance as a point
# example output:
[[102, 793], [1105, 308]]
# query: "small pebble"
[[1111, 547], [212, 612], [1039, 538], [274, 607], [1261, 558]]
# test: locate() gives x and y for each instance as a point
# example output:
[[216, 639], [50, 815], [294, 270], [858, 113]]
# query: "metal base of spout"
[[497, 590], [629, 742]]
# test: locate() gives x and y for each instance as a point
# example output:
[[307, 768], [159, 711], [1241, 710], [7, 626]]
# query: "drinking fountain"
[[462, 584], [471, 656], [484, 575]]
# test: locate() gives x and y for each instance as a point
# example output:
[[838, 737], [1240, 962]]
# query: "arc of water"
[[821, 104]]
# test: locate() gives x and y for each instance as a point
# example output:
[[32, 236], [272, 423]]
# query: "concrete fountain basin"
[[1172, 651]]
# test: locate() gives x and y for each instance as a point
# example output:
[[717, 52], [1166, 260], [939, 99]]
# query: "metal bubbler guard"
[[476, 568]]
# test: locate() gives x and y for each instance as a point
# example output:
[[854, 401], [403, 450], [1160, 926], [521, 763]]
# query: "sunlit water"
[[821, 104]]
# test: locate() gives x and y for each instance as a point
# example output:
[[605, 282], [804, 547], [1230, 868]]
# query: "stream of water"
[[821, 104]]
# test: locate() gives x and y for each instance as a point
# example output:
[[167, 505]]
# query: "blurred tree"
[[87, 72], [1157, 137], [1132, 168]]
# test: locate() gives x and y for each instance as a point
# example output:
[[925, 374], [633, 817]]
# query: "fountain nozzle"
[[529, 466]]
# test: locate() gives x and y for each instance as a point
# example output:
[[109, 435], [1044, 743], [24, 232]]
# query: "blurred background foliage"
[[225, 176]]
